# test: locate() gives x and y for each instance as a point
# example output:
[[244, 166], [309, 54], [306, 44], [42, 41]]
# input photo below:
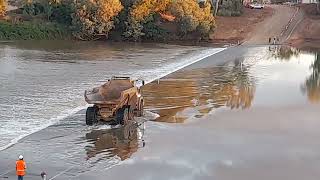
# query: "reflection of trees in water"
[[231, 86], [121, 142], [204, 89], [283, 52], [312, 84], [169, 97], [73, 51]]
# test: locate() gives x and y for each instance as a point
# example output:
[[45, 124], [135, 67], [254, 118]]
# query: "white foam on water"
[[52, 121], [151, 115], [173, 67]]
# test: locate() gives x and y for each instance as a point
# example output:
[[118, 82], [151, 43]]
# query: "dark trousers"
[[20, 177]]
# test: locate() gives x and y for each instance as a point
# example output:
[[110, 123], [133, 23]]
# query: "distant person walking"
[[269, 40], [21, 168]]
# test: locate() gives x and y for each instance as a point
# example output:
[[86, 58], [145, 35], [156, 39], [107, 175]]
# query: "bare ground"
[[273, 26], [257, 26], [234, 29], [307, 34]]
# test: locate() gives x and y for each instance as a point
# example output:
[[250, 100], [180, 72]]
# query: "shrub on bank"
[[152, 31], [32, 31]]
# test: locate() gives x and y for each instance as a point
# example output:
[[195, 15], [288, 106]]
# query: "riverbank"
[[254, 26], [307, 33], [160, 21], [229, 30]]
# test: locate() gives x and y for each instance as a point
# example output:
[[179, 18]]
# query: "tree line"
[[124, 19]]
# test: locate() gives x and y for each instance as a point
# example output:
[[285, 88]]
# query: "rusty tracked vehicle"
[[115, 102]]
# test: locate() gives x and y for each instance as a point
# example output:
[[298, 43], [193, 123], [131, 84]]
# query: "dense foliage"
[[3, 7], [126, 19], [185, 20], [143, 8], [94, 19], [32, 31], [191, 18], [140, 20]]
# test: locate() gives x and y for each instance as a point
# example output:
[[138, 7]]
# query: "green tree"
[[47, 6], [133, 30], [62, 12]]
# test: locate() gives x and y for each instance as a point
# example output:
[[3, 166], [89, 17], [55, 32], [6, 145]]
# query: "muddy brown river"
[[246, 112]]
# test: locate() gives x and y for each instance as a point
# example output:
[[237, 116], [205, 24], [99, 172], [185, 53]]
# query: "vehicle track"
[[281, 25]]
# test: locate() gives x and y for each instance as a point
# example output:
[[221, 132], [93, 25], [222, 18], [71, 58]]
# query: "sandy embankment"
[[307, 33]]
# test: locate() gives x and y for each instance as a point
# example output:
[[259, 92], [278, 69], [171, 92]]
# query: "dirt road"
[[234, 29], [276, 25]]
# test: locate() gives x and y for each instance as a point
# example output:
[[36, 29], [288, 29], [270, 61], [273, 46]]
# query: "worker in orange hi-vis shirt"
[[21, 168]]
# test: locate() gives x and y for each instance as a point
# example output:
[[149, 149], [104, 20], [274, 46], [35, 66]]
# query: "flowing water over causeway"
[[43, 82]]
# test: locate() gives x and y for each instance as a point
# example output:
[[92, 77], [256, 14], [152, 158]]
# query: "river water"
[[259, 76], [247, 112], [43, 82]]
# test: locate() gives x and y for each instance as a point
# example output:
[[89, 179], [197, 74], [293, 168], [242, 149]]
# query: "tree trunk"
[[217, 7]]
